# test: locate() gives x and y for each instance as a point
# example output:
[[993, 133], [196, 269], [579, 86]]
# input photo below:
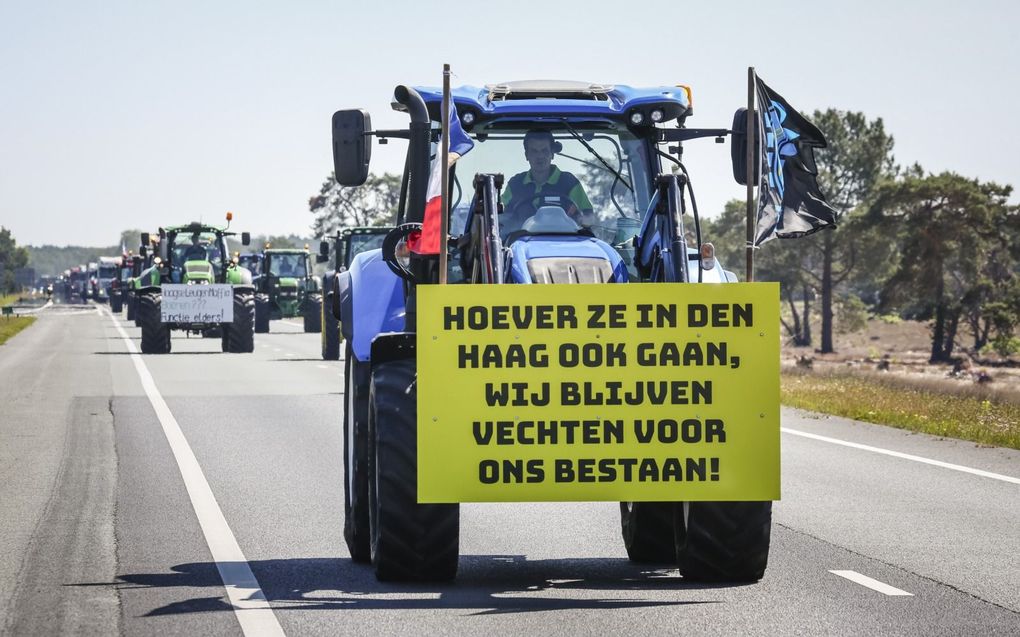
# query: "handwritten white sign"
[[205, 303]]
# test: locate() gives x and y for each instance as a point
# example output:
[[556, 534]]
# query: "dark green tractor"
[[189, 256], [346, 245], [286, 287]]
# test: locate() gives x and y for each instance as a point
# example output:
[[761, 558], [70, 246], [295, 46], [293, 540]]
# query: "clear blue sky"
[[121, 114]]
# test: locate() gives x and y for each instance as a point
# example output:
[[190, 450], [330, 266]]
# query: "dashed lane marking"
[[904, 456], [873, 584], [250, 605]]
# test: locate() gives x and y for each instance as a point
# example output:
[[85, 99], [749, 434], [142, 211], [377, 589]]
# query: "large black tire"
[[155, 333], [239, 336], [649, 531], [312, 314], [261, 314], [411, 542], [129, 301], [724, 541], [330, 340], [356, 385], [116, 303]]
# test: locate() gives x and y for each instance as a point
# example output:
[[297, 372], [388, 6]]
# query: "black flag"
[[790, 203]]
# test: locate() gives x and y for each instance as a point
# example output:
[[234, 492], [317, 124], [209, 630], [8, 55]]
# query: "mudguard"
[[371, 302], [562, 247]]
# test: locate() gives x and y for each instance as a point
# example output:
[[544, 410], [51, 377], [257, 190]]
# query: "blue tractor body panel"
[[376, 294], [553, 247]]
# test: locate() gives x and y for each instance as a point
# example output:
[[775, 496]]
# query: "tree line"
[[941, 248]]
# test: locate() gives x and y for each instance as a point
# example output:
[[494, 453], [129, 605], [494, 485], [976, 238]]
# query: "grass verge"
[[8, 299], [967, 414], [11, 325]]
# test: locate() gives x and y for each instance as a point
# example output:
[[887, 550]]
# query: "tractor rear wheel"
[[129, 301], [410, 541], [155, 333], [116, 303], [330, 334], [723, 541], [261, 314], [312, 314], [239, 336], [648, 531], [356, 530]]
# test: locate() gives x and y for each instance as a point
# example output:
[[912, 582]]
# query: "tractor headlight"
[[637, 118], [657, 115]]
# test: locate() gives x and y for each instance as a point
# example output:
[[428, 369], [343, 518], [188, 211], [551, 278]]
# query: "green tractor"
[[346, 245], [193, 286], [286, 287]]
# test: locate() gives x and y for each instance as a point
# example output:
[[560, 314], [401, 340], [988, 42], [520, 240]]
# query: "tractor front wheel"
[[129, 301], [330, 334], [239, 337], [648, 531], [116, 303], [410, 541], [155, 333], [312, 314], [261, 314], [723, 541]]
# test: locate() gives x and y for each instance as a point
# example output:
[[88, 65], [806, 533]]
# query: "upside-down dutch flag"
[[460, 144]]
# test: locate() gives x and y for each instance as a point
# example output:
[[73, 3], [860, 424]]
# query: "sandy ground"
[[902, 349]]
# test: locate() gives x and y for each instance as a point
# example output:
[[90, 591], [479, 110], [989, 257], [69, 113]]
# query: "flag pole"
[[752, 175], [445, 173]]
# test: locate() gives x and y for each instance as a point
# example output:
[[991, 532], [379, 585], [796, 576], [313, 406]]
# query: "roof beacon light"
[[690, 96], [636, 118], [230, 216]]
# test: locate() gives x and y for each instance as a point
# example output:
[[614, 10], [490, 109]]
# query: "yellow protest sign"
[[642, 392]]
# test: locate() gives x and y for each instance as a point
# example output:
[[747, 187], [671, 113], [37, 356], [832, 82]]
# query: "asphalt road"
[[106, 527]]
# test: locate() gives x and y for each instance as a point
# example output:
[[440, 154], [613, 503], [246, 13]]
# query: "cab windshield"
[[107, 271], [197, 246], [559, 179], [287, 265], [359, 243], [250, 262]]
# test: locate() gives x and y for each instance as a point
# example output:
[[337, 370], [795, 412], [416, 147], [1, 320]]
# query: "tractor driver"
[[196, 251], [544, 184]]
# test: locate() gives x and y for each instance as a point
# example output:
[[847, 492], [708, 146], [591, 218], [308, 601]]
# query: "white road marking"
[[250, 606], [323, 366], [288, 354], [873, 584], [904, 456]]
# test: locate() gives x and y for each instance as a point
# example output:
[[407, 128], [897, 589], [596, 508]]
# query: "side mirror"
[[143, 251], [738, 147], [245, 238], [352, 149], [324, 249], [145, 239]]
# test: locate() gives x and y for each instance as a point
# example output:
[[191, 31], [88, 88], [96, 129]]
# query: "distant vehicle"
[[286, 287], [92, 280], [195, 254], [107, 271]]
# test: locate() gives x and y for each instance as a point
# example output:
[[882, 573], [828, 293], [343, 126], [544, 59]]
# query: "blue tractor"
[[610, 208], [346, 244]]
